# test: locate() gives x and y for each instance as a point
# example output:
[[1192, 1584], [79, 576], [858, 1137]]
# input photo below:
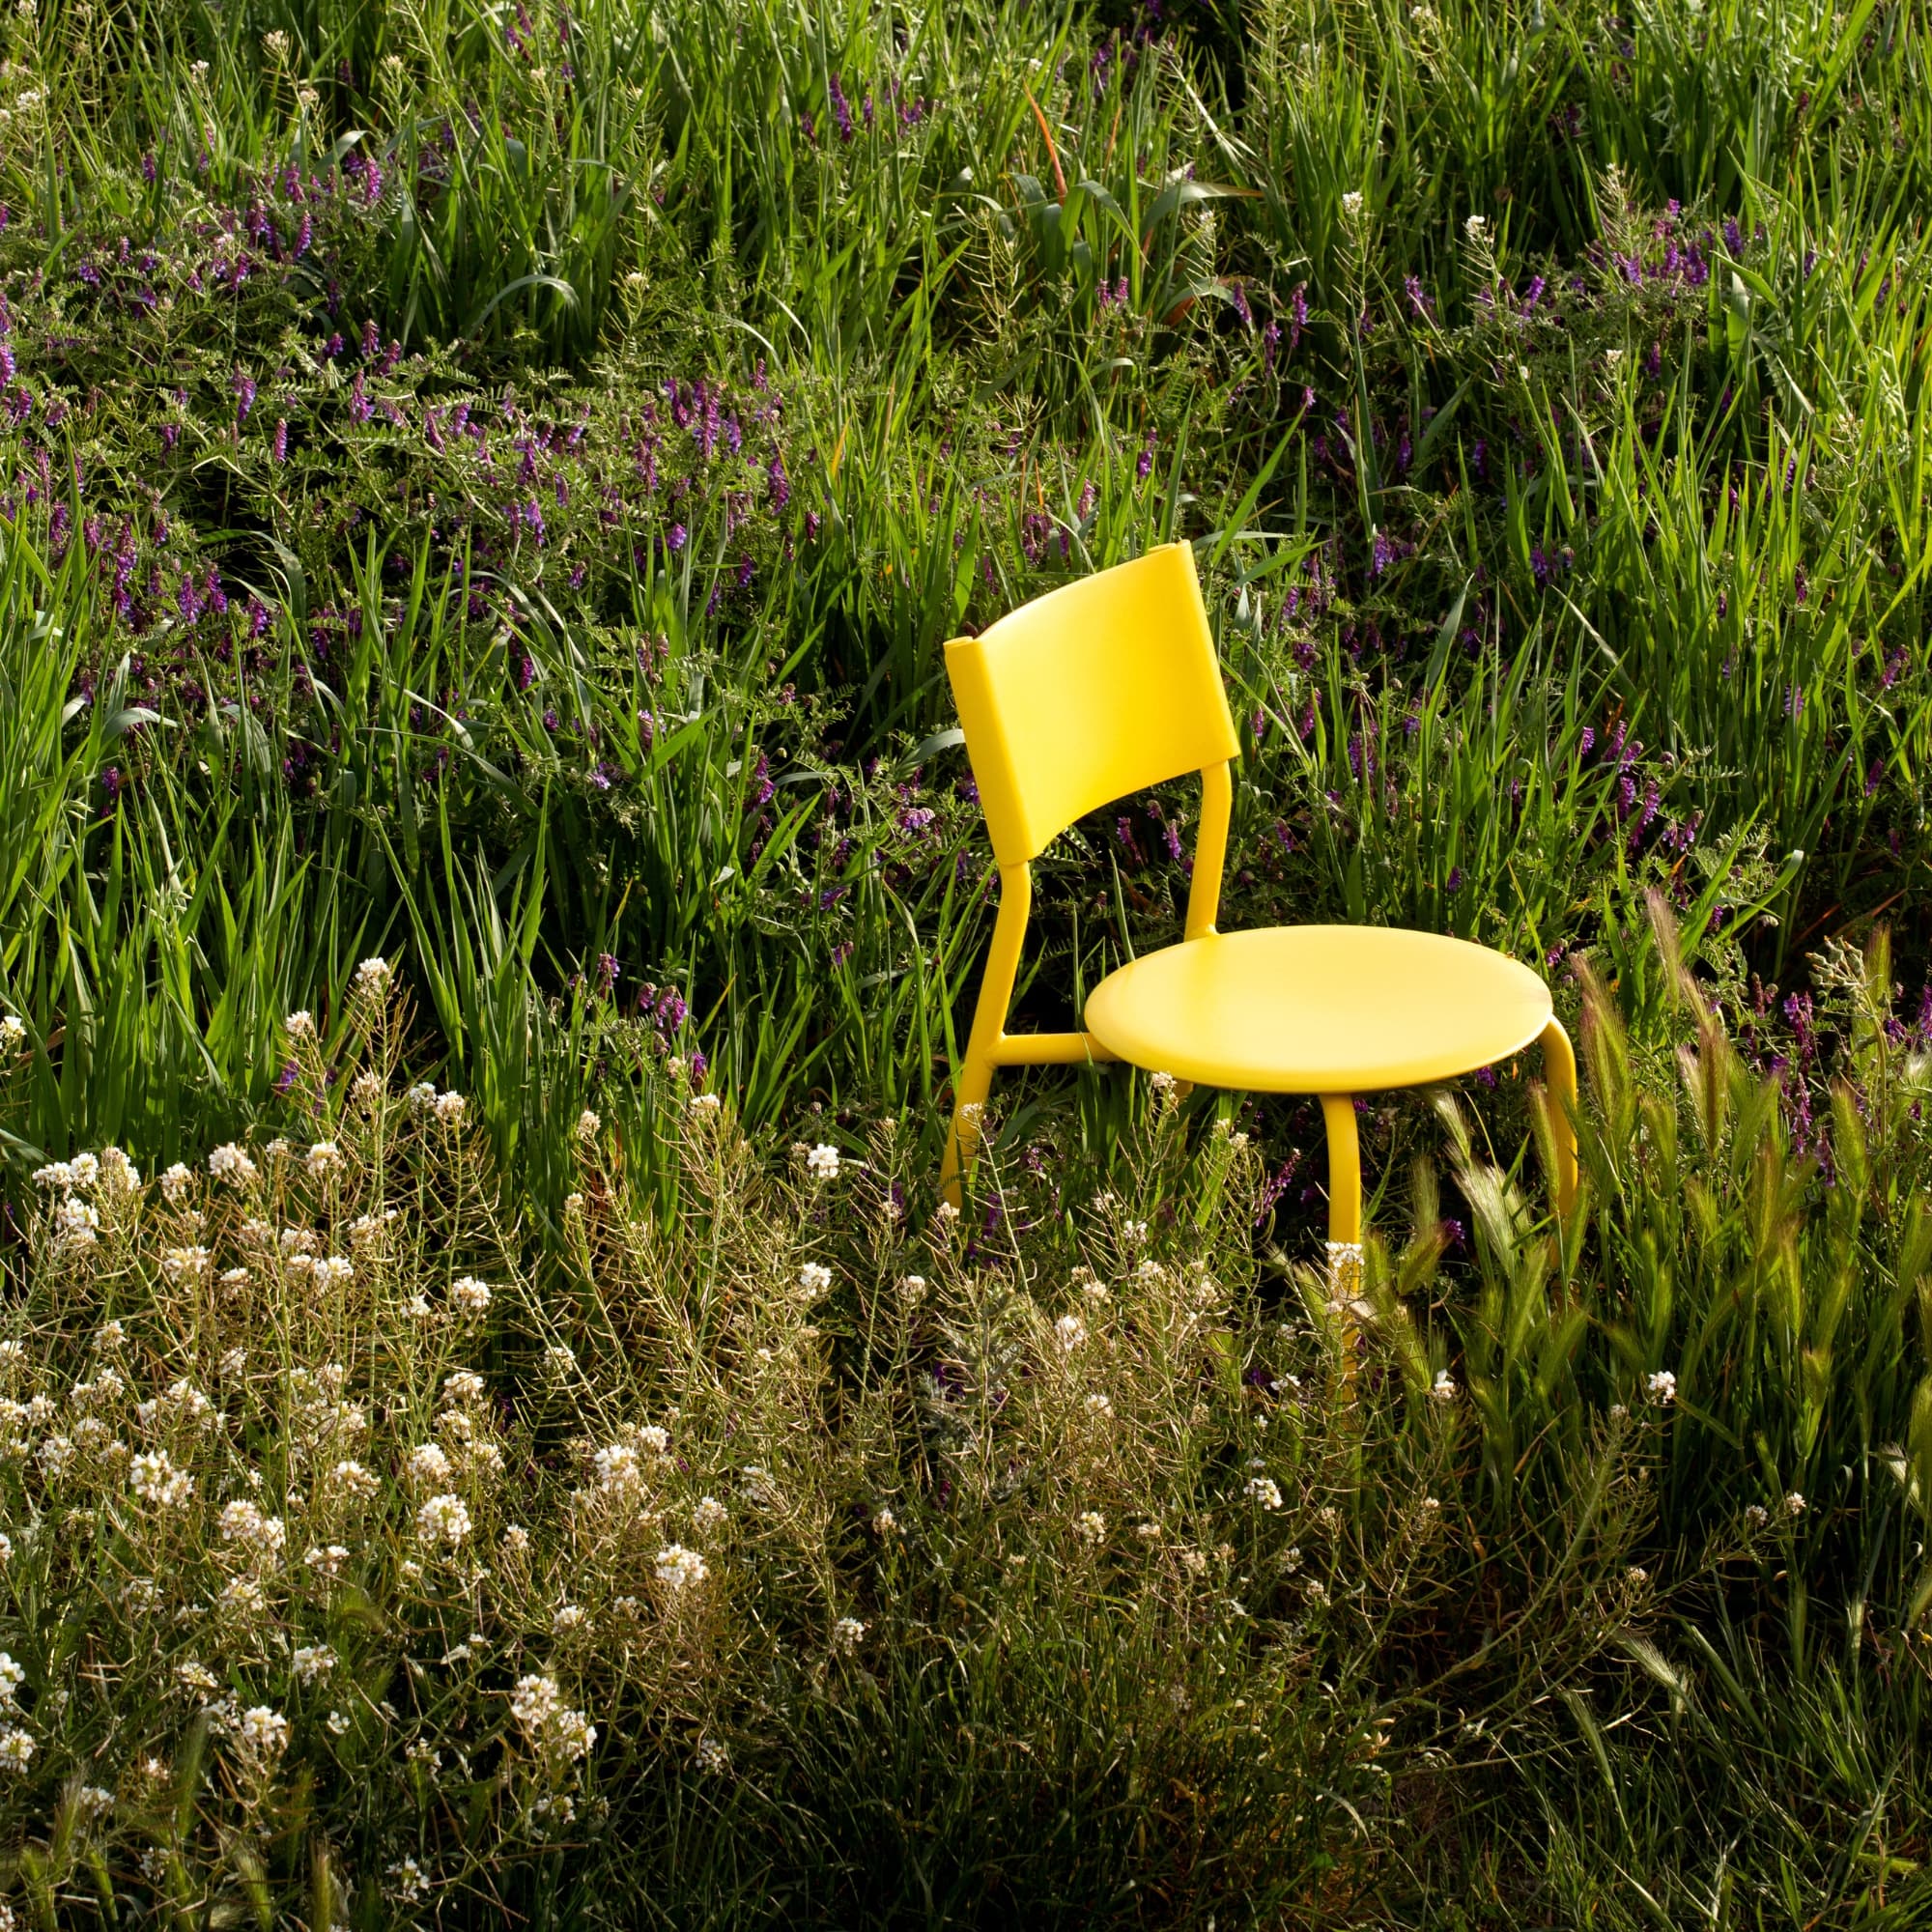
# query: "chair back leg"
[[1559, 1072], [1344, 1196]]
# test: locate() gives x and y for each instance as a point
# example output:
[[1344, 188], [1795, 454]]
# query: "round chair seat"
[[1319, 1009]]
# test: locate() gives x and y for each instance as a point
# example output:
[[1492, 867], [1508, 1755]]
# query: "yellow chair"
[[1106, 687]]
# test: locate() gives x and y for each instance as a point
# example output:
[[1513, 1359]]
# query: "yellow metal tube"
[[1210, 849], [989, 1021], [1559, 1072]]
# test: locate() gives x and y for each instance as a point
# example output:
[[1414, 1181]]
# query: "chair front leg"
[[1559, 1072], [976, 1081], [1344, 1197], [989, 1023]]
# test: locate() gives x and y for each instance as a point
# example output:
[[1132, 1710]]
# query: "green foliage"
[[487, 488]]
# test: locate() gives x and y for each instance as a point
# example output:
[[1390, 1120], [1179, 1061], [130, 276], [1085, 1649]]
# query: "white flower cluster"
[[680, 1568], [231, 1164], [262, 1735], [555, 1730], [155, 1479], [261, 1536], [443, 1519], [470, 1295]]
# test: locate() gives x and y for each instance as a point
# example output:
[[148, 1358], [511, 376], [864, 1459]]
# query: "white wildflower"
[[1263, 1490], [470, 1295], [231, 1164], [301, 1024], [450, 1108], [655, 1438], [264, 1733], [710, 1515], [1794, 1504], [463, 1388], [180, 1265], [243, 1523], [822, 1162], [588, 1123], [443, 1519], [428, 1464], [372, 978], [1069, 1331], [1091, 1526], [155, 1479], [705, 1105], [411, 1882], [176, 1182], [711, 1757], [815, 1278], [11, 1677], [17, 1749], [242, 1598], [681, 1568], [313, 1663], [884, 1522], [1662, 1386], [847, 1635], [324, 1158], [1443, 1387]]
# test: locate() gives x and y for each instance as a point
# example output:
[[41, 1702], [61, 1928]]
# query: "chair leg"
[[976, 1081], [1344, 1197], [1559, 1072]]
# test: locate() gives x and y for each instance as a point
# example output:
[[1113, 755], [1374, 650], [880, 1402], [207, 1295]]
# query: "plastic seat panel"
[[1319, 1009]]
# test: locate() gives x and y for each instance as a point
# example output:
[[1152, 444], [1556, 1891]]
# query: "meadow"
[[497, 1424]]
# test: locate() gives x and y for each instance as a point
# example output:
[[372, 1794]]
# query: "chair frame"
[[990, 1046]]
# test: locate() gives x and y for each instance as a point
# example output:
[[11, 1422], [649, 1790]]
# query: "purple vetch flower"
[[1144, 463], [1297, 315], [606, 973], [676, 537], [360, 406], [281, 442], [841, 110]]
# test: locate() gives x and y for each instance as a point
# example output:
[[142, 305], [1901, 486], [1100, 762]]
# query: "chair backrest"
[[1102, 688]]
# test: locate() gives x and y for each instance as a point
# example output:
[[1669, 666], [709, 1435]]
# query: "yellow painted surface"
[[1319, 1009]]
